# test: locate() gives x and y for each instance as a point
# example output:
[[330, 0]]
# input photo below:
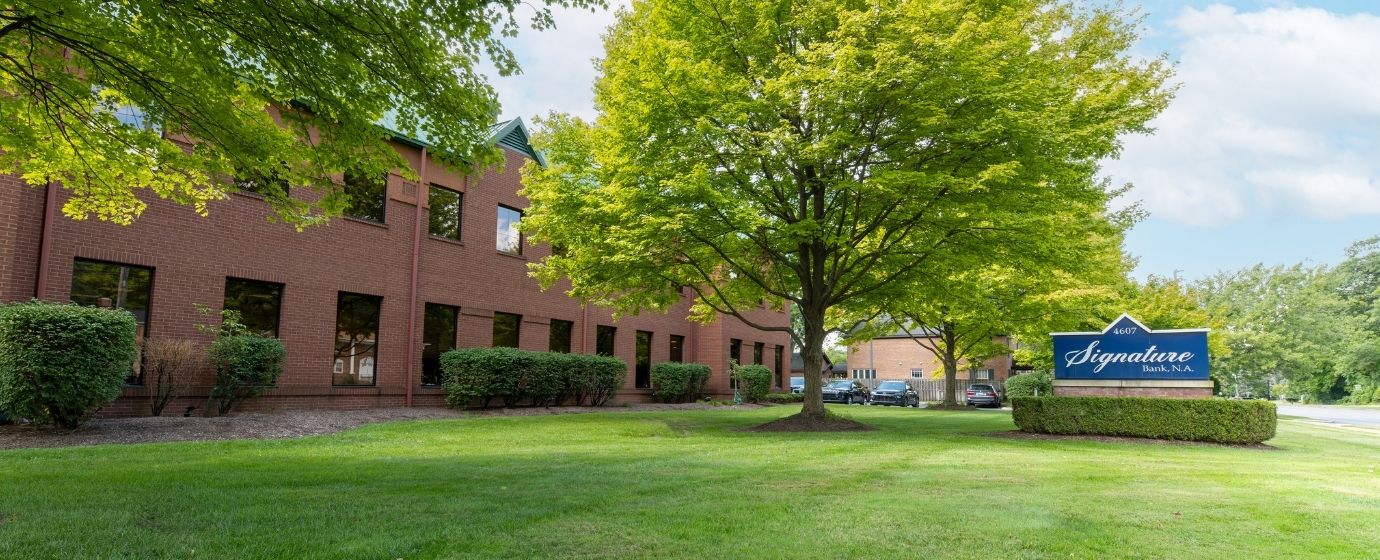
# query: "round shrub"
[[1033, 384], [675, 382], [60, 363], [754, 381], [247, 365]]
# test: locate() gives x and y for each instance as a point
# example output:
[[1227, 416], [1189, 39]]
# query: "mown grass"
[[688, 484]]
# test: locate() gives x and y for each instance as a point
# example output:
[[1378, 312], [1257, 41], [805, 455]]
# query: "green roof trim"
[[512, 134]]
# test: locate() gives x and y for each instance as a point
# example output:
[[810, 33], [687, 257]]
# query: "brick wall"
[[895, 357], [192, 256]]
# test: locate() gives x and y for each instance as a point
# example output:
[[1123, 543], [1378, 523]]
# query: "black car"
[[894, 393], [983, 395], [846, 392]]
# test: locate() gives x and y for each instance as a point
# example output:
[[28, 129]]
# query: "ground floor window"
[[507, 330], [735, 357], [258, 303], [757, 349], [643, 362], [677, 348], [438, 337], [356, 339], [604, 338], [864, 374], [122, 286], [776, 364], [917, 373], [560, 335]]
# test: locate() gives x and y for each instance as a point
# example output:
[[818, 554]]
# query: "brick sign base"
[[1161, 388]]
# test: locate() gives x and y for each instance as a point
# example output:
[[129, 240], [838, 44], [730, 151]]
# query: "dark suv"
[[896, 393], [983, 395], [846, 392]]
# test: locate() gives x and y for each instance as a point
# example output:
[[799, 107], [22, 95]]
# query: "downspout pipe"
[[412, 347], [45, 243]]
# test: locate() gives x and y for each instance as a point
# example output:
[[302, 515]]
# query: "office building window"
[[258, 303], [507, 327], [643, 361], [368, 196], [735, 357], [438, 337], [677, 348], [776, 364], [509, 238], [259, 183], [447, 206], [604, 340], [121, 286], [560, 335], [757, 349], [864, 374], [356, 339], [917, 373]]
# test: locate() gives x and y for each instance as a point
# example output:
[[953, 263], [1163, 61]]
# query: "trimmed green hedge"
[[538, 378], [754, 381], [674, 382], [1223, 421], [1028, 384], [61, 363], [785, 398]]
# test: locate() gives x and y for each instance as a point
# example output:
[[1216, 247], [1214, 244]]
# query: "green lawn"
[[687, 484]]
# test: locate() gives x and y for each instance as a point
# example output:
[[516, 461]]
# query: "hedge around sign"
[[1215, 420], [60, 363], [675, 382]]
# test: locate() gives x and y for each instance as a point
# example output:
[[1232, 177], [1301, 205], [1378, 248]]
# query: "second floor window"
[[509, 238], [368, 196], [261, 184], [444, 218]]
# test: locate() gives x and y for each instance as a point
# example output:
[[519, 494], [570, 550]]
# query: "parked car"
[[846, 392], [894, 393], [797, 384], [983, 395]]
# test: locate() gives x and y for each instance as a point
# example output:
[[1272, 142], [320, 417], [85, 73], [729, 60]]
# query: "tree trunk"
[[950, 367], [812, 354]]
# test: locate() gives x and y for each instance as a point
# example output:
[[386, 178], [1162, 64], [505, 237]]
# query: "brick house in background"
[[341, 296], [899, 356]]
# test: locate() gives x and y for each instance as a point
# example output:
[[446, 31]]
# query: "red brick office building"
[[341, 296]]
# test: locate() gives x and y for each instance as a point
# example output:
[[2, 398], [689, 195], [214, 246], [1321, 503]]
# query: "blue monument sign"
[[1127, 350]]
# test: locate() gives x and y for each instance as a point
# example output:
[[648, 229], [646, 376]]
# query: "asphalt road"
[[1366, 417]]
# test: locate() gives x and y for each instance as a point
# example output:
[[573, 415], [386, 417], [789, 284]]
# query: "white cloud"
[[1277, 113], [557, 65]]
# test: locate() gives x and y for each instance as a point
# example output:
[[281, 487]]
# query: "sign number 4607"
[[1124, 330]]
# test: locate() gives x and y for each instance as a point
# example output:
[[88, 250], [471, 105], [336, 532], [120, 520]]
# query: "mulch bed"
[[803, 423], [1120, 439], [269, 425]]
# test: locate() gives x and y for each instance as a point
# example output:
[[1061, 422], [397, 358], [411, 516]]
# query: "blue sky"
[[1270, 152]]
